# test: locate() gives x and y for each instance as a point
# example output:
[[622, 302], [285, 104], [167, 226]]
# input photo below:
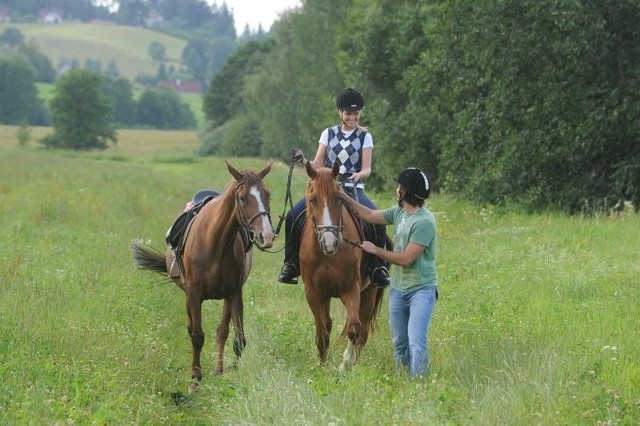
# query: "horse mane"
[[325, 183]]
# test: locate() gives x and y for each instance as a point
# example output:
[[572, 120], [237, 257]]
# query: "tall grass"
[[536, 324]]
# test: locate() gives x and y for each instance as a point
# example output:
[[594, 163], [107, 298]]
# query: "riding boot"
[[291, 268], [379, 271]]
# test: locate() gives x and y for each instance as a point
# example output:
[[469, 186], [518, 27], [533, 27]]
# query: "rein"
[[287, 196]]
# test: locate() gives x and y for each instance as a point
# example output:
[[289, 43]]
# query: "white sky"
[[256, 12]]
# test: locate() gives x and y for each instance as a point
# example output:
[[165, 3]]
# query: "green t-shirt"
[[419, 227]]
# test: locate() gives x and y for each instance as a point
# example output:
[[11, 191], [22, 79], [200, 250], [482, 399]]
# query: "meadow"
[[537, 321]]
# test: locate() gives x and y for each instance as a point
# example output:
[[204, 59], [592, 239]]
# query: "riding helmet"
[[415, 182], [350, 100]]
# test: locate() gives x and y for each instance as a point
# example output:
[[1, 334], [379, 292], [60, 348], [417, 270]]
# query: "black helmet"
[[350, 100], [415, 182]]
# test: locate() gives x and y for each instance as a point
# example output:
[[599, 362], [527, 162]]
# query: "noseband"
[[246, 222]]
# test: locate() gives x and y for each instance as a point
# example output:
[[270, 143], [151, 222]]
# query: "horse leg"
[[194, 311], [322, 316], [352, 328], [240, 340], [367, 312], [222, 333]]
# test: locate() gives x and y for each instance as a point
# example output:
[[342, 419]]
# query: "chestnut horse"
[[217, 259], [333, 267]]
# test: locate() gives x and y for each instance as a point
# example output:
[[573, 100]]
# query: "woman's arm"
[[365, 170], [321, 156]]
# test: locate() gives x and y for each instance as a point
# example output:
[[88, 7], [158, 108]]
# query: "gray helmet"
[[350, 100], [415, 182]]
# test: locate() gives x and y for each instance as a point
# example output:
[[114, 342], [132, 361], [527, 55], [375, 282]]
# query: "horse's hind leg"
[[194, 311]]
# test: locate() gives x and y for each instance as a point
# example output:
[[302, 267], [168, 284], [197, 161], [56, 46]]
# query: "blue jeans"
[[409, 317]]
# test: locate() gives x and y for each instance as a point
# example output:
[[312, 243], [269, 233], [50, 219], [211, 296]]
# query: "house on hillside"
[[191, 86], [50, 16], [5, 15], [154, 19]]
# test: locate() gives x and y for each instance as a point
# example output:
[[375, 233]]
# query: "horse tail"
[[146, 257]]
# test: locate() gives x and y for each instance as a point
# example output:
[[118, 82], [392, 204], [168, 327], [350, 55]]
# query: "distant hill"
[[128, 46]]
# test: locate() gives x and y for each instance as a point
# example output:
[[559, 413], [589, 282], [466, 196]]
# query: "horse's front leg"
[[194, 311], [222, 333], [240, 340], [352, 328], [322, 316]]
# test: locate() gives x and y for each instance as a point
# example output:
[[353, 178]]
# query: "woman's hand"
[[297, 156], [356, 177]]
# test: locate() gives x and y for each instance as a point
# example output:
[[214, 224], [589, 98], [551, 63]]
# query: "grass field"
[[537, 321], [127, 46]]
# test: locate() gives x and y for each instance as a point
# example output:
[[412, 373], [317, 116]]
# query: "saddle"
[[177, 235]]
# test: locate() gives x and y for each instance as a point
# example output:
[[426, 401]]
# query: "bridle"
[[247, 221], [335, 230]]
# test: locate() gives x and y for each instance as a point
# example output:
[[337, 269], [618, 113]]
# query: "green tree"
[[157, 51], [383, 40], [123, 105], [18, 92], [160, 107], [204, 56], [224, 98], [23, 134], [12, 37], [292, 95], [41, 63], [536, 101], [80, 113]]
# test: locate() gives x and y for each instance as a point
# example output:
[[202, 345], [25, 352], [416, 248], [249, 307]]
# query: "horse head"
[[252, 205], [324, 206]]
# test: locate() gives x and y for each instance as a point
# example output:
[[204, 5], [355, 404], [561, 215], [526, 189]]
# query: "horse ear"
[[336, 168], [311, 172], [265, 171], [236, 174]]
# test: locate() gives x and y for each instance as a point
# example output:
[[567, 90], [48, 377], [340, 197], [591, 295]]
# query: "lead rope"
[[287, 196]]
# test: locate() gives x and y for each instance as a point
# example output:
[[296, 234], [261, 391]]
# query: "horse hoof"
[[344, 367], [193, 388]]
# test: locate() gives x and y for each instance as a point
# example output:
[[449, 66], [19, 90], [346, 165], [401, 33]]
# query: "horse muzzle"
[[329, 239]]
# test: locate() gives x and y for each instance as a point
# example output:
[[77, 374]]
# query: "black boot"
[[291, 268], [380, 277], [289, 274]]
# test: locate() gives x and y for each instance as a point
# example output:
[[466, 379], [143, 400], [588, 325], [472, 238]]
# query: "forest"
[[531, 103]]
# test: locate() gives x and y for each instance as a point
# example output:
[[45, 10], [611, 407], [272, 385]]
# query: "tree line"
[[534, 102]]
